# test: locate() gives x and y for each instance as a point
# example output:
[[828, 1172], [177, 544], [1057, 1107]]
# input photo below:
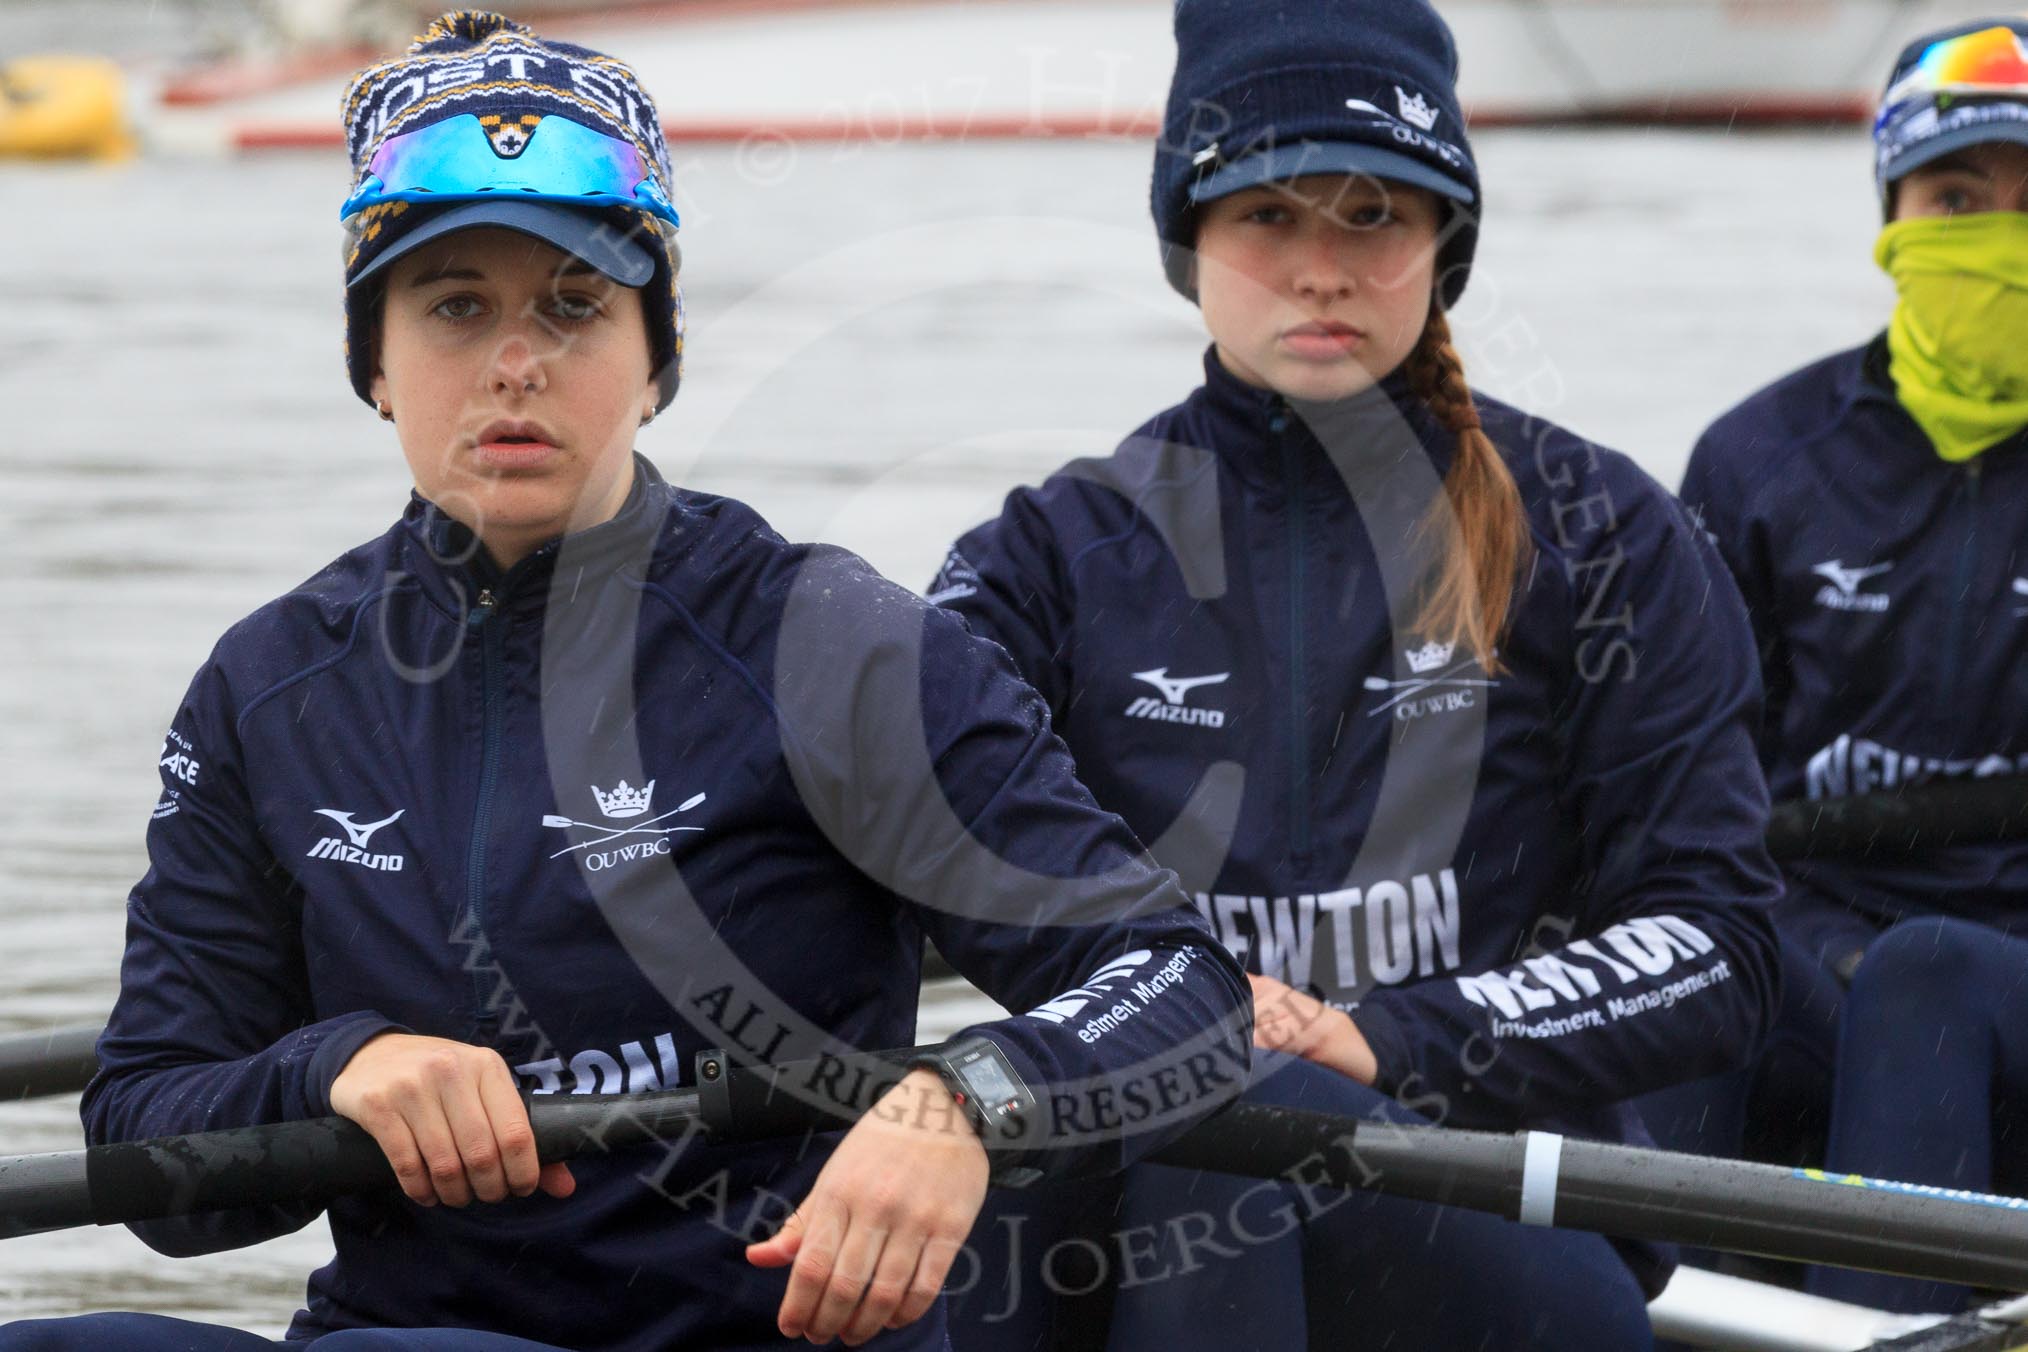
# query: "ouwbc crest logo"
[[1174, 690], [622, 803], [354, 849], [1436, 685], [1409, 127]]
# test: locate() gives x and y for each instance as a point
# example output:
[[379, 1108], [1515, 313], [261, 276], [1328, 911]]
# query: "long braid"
[[1480, 521]]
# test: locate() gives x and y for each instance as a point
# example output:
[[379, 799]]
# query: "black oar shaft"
[[1787, 1213], [1630, 1193], [1902, 823], [44, 1192], [309, 1160], [1479, 1170], [1534, 1177]]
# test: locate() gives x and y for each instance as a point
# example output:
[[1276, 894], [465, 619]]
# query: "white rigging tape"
[[1542, 1158]]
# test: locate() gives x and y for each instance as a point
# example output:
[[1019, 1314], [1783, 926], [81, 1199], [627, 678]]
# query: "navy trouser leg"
[[425, 1340], [1037, 1276], [129, 1333], [1236, 1264], [159, 1333], [1777, 1109], [1935, 1025]]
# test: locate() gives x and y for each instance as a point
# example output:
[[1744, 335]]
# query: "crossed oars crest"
[[646, 828], [1410, 688]]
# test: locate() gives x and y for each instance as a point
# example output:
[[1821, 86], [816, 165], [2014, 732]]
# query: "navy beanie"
[[1264, 92], [480, 63]]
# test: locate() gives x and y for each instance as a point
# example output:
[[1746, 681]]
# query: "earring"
[[386, 411]]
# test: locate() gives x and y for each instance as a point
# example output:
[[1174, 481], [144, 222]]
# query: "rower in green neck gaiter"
[[1958, 343]]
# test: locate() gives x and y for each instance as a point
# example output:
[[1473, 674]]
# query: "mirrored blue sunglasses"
[[551, 158]]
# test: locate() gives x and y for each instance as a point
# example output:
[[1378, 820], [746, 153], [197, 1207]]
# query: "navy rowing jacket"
[[1889, 593], [1541, 891], [668, 784]]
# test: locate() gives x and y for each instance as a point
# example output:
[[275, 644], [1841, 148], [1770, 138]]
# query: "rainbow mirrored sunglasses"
[[467, 158], [1991, 63]]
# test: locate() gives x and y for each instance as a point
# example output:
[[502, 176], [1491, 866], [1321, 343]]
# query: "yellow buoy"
[[63, 107]]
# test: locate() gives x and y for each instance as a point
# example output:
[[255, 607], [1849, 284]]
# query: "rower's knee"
[[1932, 964], [128, 1332], [39, 1335], [427, 1340]]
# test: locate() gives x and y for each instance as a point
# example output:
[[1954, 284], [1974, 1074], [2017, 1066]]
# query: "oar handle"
[[312, 1160], [316, 1159]]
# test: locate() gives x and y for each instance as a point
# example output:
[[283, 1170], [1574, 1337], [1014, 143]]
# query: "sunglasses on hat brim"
[[551, 159], [1989, 64]]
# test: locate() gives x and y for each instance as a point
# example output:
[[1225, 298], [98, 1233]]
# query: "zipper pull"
[[484, 608], [1279, 422]]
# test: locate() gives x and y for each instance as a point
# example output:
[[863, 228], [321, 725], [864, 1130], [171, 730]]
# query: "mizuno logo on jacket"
[[1844, 593], [1175, 690]]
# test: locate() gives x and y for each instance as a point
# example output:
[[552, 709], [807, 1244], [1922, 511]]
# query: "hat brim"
[[2012, 127], [586, 235], [1280, 163]]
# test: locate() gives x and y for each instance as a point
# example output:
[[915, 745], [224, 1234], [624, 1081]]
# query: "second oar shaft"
[[49, 1061], [1632, 1193]]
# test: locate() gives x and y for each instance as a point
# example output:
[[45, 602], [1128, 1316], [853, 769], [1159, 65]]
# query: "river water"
[[883, 340]]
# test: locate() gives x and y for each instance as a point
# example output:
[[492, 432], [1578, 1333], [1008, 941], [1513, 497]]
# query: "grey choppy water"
[[883, 340]]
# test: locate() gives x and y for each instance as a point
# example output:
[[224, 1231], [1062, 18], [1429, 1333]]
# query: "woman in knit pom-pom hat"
[[1444, 714], [573, 775]]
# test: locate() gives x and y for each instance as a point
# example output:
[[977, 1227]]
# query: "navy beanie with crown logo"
[[481, 64], [1264, 93]]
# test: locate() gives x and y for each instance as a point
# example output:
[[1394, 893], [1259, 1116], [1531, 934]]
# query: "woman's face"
[[517, 377], [1990, 177], [1320, 286]]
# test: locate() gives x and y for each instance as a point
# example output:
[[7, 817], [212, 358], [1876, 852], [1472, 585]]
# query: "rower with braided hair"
[[1444, 716]]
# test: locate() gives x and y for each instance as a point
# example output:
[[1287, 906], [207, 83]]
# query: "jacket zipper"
[[485, 623], [1960, 599], [1299, 758]]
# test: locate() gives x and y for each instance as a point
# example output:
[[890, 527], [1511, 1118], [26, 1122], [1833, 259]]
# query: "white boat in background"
[[884, 70], [1524, 60], [1688, 60]]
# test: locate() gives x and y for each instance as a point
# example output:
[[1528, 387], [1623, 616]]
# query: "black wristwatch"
[[994, 1098]]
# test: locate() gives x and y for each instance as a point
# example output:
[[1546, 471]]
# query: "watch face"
[[990, 1082]]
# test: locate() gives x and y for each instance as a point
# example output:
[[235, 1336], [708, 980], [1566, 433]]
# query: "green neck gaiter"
[[1958, 343]]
